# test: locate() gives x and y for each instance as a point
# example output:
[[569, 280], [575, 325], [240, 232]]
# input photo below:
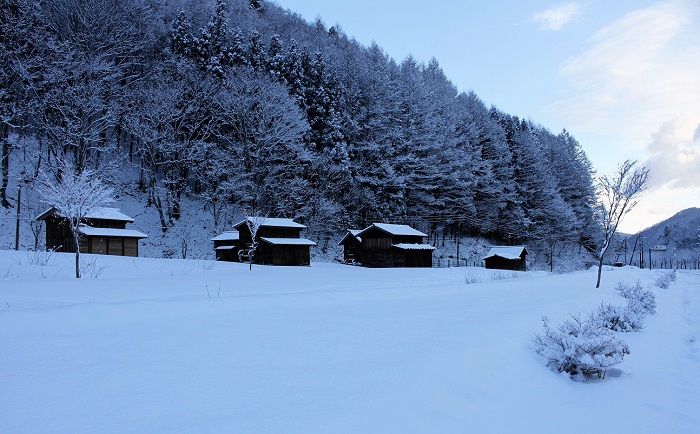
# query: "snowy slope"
[[156, 345]]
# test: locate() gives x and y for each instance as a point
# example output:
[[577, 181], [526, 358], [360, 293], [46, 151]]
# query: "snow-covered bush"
[[617, 318], [640, 299], [580, 348], [665, 279]]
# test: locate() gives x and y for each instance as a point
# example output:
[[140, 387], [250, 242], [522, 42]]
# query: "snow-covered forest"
[[240, 104]]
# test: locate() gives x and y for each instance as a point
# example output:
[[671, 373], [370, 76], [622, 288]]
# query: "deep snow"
[[154, 345]]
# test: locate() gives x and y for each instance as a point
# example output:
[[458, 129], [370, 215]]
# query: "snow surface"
[[506, 252], [397, 229], [274, 222], [408, 246], [105, 213], [227, 236], [289, 241], [110, 232], [185, 346]]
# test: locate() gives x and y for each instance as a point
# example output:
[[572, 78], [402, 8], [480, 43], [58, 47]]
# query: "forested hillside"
[[240, 104], [672, 242]]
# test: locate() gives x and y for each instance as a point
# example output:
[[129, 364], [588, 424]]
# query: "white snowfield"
[[177, 346]]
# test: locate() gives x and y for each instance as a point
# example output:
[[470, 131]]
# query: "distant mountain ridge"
[[680, 232]]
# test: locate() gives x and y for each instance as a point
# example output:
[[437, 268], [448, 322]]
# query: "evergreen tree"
[[22, 54]]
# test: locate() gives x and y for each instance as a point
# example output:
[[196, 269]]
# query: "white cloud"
[[657, 205], [634, 84], [675, 154], [635, 93], [557, 17]]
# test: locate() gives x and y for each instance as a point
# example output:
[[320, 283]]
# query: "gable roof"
[[352, 234], [226, 236], [393, 229], [103, 213], [506, 252], [273, 222]]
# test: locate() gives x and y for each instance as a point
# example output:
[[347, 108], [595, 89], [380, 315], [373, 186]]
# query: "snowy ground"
[[153, 345]]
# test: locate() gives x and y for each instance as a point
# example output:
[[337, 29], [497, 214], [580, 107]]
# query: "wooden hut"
[[102, 232], [352, 247], [279, 241], [506, 258], [285, 251], [390, 245], [226, 246]]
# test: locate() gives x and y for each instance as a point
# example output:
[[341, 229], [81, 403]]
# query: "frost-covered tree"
[[617, 196], [74, 196], [167, 116], [21, 57], [254, 221], [257, 150], [94, 50], [377, 191]]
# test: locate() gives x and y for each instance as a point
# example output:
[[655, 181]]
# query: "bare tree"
[[74, 197], [254, 221], [616, 197]]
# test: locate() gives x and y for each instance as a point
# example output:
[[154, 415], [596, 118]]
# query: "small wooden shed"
[[285, 251], [102, 232], [392, 245], [226, 246], [279, 241], [506, 258], [352, 247]]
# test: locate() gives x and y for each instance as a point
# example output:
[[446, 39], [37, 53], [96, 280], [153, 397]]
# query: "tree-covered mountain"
[[679, 234], [243, 104]]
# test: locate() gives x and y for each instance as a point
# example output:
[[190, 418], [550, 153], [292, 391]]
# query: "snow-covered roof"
[[109, 232], [103, 213], [225, 247], [396, 229], [506, 252], [288, 241], [406, 246], [351, 233], [274, 222], [226, 236]]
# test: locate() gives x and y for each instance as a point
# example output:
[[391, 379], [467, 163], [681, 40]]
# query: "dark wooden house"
[[390, 245], [279, 242], [506, 258], [226, 246], [102, 232], [352, 247]]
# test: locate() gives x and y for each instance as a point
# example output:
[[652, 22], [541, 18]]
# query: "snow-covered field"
[[168, 346]]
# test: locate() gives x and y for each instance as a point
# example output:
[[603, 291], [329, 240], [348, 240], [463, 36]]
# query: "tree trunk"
[[600, 268], [4, 133], [76, 239], [155, 199]]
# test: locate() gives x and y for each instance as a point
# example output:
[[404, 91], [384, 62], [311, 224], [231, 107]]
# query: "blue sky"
[[622, 76]]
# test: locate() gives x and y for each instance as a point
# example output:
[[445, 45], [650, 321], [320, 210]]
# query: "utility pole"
[[19, 206], [21, 180], [459, 234], [633, 250]]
